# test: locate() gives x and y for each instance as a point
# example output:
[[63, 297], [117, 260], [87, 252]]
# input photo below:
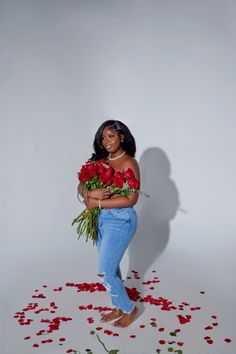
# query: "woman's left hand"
[[91, 203]]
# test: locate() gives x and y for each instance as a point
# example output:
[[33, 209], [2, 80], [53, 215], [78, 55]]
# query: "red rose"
[[109, 171], [83, 175], [131, 183], [129, 173], [92, 170], [118, 180], [102, 178], [101, 168], [109, 181], [136, 184]]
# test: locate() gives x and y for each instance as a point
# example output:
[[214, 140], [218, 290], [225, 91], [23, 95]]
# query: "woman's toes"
[[126, 319]]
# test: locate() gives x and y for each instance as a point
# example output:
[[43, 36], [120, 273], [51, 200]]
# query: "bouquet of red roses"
[[99, 174]]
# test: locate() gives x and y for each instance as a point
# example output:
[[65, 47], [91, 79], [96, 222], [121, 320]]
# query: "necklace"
[[117, 157]]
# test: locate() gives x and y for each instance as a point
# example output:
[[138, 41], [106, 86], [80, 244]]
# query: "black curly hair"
[[128, 143]]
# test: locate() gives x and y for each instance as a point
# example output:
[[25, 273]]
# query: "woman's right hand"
[[100, 193]]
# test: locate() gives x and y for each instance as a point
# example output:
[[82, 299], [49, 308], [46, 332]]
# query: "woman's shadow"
[[154, 213]]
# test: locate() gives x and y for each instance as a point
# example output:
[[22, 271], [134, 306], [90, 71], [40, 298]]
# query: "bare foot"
[[114, 314], [127, 319]]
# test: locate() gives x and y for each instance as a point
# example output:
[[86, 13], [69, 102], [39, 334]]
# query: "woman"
[[117, 221]]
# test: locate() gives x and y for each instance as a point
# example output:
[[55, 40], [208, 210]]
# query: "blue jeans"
[[116, 227]]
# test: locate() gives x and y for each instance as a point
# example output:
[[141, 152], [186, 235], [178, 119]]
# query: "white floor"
[[183, 274]]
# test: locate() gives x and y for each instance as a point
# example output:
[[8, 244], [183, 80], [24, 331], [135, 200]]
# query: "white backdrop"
[[164, 68]]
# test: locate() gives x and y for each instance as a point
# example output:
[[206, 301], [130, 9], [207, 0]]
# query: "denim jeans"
[[116, 227]]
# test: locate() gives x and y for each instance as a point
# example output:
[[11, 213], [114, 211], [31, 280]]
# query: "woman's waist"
[[119, 212]]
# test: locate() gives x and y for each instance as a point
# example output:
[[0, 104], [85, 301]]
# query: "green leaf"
[[153, 324], [170, 349], [158, 350], [173, 334], [179, 351], [92, 332], [114, 351], [172, 342]]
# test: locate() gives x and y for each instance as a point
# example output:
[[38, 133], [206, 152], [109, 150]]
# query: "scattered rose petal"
[[215, 324], [208, 328], [162, 342], [180, 344], [210, 341]]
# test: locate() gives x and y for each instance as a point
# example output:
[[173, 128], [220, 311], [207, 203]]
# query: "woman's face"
[[111, 140]]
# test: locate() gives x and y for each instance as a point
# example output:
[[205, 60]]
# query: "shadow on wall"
[[155, 212]]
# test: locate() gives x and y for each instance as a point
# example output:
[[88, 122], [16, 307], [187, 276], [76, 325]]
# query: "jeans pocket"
[[120, 214]]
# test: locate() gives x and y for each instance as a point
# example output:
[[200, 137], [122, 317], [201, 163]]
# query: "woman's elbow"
[[133, 199]]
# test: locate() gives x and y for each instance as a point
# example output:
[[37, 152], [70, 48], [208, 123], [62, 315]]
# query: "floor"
[[52, 297]]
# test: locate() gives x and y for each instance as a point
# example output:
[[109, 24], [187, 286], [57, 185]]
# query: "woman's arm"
[[80, 190], [100, 193]]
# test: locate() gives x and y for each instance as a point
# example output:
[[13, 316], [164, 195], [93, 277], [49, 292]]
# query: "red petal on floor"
[[214, 316], [227, 340], [184, 319], [161, 329], [207, 337], [161, 341], [208, 328], [210, 341], [141, 326], [116, 334], [98, 328], [215, 324], [180, 344], [133, 336], [202, 292], [62, 339], [35, 345], [26, 338]]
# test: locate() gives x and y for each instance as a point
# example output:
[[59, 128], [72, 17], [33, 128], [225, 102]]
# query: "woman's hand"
[[91, 203], [100, 193]]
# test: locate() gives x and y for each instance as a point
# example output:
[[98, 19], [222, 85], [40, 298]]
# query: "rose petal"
[[161, 341]]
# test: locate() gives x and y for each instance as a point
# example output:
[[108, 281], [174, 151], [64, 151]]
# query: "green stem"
[[102, 343]]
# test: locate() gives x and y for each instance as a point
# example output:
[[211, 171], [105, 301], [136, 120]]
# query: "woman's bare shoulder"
[[130, 162]]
